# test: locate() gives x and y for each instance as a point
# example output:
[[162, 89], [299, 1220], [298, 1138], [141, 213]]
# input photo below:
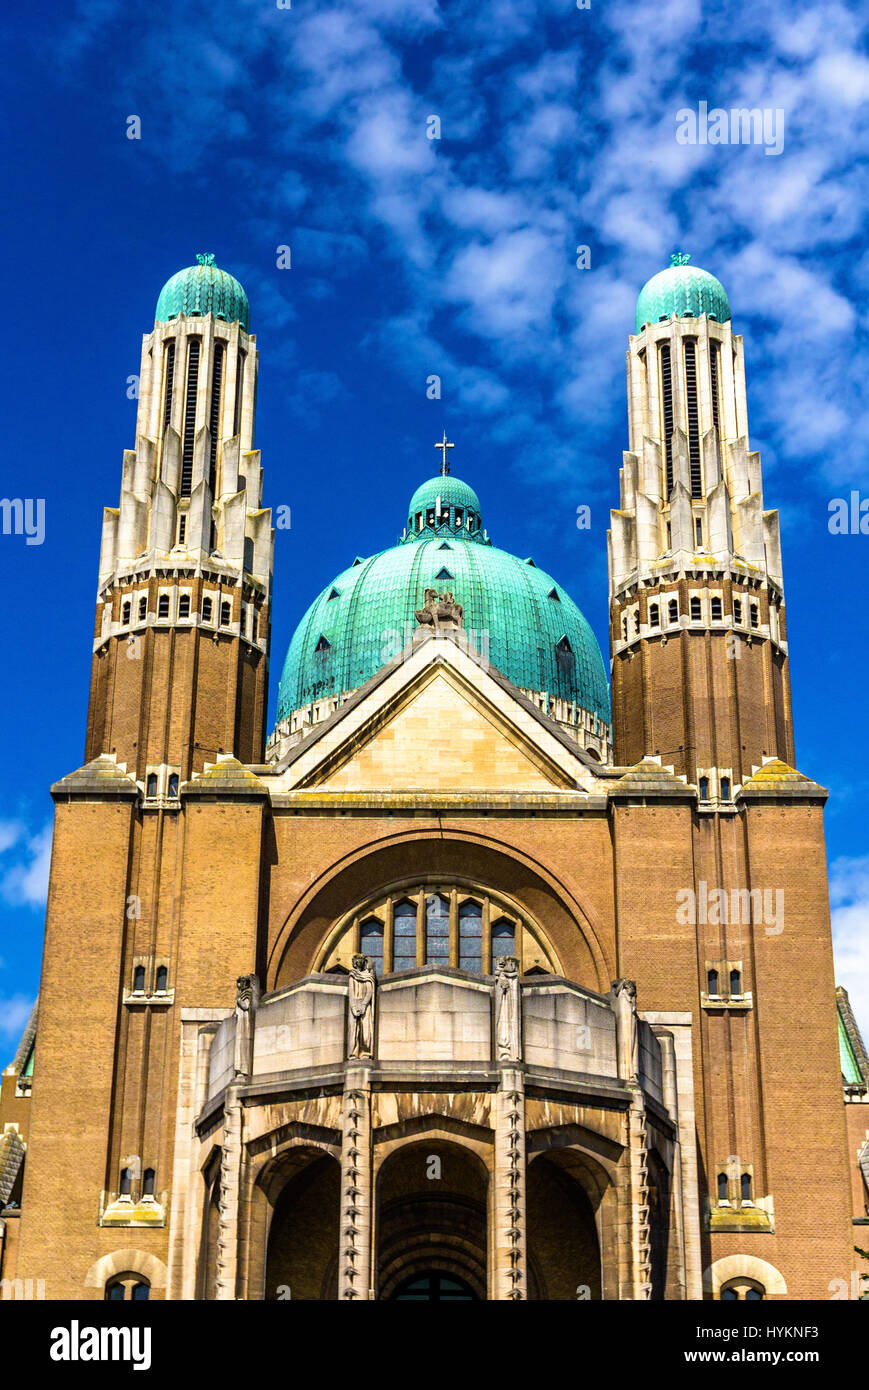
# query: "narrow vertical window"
[[704, 788], [126, 1180], [503, 939], [163, 606], [404, 936], [170, 383], [371, 943], [712, 982], [725, 788], [716, 368], [737, 611], [162, 970], [695, 610], [716, 610], [148, 1182], [693, 421], [437, 930], [139, 972], [673, 610], [190, 417], [755, 615], [722, 1187], [182, 529], [654, 615], [745, 1187], [471, 936], [206, 610], [667, 414], [225, 612], [125, 612], [143, 608], [698, 531], [735, 982], [214, 415], [239, 390]]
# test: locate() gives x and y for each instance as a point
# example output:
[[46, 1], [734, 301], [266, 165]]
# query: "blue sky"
[[263, 127]]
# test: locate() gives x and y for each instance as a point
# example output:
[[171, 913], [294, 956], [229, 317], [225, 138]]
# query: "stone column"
[[624, 1001], [355, 1274], [510, 1246], [230, 1176]]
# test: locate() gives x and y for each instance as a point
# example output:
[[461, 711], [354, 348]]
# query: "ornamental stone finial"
[[205, 257], [680, 258]]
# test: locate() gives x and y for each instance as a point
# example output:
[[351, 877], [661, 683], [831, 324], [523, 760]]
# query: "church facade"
[[465, 981]]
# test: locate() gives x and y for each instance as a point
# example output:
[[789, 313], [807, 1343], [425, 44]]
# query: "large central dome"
[[514, 613]]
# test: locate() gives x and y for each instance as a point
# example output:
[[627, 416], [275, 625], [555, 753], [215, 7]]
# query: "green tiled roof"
[[204, 289], [537, 637], [682, 291], [850, 1070]]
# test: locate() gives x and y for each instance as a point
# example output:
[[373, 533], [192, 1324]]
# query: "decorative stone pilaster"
[[355, 1276], [230, 1184], [624, 1000], [511, 1264]]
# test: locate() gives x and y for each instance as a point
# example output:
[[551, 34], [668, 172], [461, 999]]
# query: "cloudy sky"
[[307, 126]]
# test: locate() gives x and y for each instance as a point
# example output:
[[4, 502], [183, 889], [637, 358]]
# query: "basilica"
[[488, 972]]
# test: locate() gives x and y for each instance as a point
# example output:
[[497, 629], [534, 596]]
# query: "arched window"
[[654, 615], [503, 939], [755, 618], [126, 1181], [735, 982], [729, 1295], [125, 612], [735, 1290], [674, 610], [173, 784], [206, 610], [722, 1187], [437, 930], [704, 788], [143, 608], [716, 610], [745, 1187], [725, 788], [184, 606], [371, 943], [695, 610], [151, 785], [163, 606], [404, 936], [737, 611], [225, 613], [470, 936], [162, 979], [139, 979], [712, 982], [128, 1287], [148, 1182]]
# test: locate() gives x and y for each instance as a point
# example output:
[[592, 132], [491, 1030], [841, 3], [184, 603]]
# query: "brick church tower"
[[180, 660], [699, 641]]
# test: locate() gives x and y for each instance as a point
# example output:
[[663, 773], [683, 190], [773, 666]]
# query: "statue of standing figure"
[[624, 997], [361, 1008], [507, 1008], [246, 999]]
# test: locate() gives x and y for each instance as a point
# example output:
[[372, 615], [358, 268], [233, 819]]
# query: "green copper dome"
[[204, 289], [536, 635], [681, 291]]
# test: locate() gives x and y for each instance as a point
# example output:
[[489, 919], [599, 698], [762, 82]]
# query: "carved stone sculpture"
[[361, 1043], [507, 1008], [624, 997], [247, 993], [440, 611]]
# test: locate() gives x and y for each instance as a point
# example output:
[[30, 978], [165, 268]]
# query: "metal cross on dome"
[[443, 445]]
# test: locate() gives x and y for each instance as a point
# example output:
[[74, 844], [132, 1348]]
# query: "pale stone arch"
[[745, 1267], [119, 1261]]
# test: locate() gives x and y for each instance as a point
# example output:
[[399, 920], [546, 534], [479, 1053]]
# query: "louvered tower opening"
[[667, 408], [693, 421], [190, 417], [716, 368], [239, 387], [214, 416], [169, 375]]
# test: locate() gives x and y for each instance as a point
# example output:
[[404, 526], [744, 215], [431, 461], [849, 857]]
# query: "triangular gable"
[[437, 719]]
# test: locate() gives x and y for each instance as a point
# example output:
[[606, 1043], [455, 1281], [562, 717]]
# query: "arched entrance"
[[431, 1224], [434, 1287], [302, 1259], [563, 1246]]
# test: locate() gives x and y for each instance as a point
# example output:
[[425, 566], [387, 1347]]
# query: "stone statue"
[[507, 1009], [440, 611], [361, 1008], [246, 1001], [624, 997]]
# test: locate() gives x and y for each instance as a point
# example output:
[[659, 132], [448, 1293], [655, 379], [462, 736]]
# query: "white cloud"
[[14, 1013], [25, 882], [849, 897]]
